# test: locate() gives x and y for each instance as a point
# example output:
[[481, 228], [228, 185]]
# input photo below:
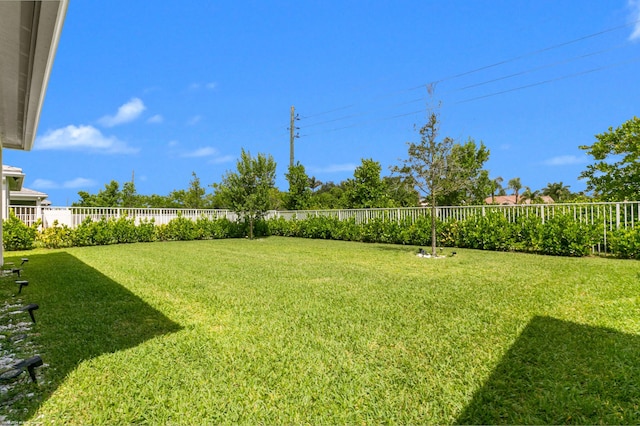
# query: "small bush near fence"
[[18, 236], [559, 235], [625, 243]]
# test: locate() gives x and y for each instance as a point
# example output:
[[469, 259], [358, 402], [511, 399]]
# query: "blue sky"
[[164, 89]]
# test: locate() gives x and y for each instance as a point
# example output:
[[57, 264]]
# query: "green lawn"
[[284, 330]]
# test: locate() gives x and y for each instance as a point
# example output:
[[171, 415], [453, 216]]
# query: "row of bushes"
[[18, 236], [560, 235]]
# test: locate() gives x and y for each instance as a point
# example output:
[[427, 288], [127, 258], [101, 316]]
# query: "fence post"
[[617, 215]]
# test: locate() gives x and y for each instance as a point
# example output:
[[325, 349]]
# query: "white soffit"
[[29, 36]]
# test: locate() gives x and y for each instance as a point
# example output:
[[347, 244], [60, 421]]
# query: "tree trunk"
[[251, 228], [433, 225]]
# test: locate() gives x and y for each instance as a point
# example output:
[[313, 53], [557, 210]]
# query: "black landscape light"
[[21, 284], [30, 308], [17, 369]]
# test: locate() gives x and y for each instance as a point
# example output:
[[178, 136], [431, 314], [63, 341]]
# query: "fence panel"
[[610, 215]]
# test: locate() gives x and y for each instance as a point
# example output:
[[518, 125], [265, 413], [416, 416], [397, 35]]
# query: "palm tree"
[[496, 186], [558, 191], [314, 183], [516, 185], [532, 196]]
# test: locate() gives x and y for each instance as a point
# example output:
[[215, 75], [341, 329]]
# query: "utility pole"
[[292, 134]]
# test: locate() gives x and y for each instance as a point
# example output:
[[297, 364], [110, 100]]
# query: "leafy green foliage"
[[247, 191], [56, 236], [366, 189], [564, 236], [625, 243], [470, 160], [615, 175], [561, 235], [17, 235], [558, 191], [434, 167], [299, 195]]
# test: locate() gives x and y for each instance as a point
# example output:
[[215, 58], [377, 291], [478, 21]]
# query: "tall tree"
[[299, 195], [366, 189], [194, 197], [129, 196], [615, 175], [432, 167], [329, 196], [516, 185], [470, 159], [402, 191], [110, 196], [247, 191]]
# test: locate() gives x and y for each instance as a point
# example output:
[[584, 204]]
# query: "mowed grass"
[[283, 331]]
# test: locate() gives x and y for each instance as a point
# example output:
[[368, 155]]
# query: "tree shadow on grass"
[[83, 314], [560, 372]]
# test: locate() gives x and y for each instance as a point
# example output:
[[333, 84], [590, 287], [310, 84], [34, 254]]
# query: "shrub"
[[492, 231], [17, 235], [56, 236], [124, 230], [528, 233], [146, 231], [625, 243], [562, 235], [179, 229]]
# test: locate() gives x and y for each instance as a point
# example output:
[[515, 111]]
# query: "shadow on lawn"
[[83, 314], [562, 372]]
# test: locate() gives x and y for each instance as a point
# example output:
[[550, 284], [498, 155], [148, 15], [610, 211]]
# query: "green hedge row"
[[18, 236], [559, 235]]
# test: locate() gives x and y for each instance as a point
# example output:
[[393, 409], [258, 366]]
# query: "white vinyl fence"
[[610, 215]]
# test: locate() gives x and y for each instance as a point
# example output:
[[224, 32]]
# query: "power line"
[[496, 64], [539, 83]]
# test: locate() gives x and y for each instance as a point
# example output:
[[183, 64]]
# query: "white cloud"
[[82, 138], [156, 119], [334, 168], [70, 184], [79, 183], [194, 120], [634, 5], [208, 86], [44, 184], [221, 160], [201, 152], [565, 160], [126, 113]]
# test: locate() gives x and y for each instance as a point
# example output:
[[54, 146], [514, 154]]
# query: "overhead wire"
[[538, 83], [475, 70]]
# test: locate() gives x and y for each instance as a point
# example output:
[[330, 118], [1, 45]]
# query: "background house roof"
[[508, 200], [14, 177], [27, 194], [29, 35]]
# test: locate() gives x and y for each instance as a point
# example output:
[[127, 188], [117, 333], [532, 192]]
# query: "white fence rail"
[[611, 215], [74, 216]]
